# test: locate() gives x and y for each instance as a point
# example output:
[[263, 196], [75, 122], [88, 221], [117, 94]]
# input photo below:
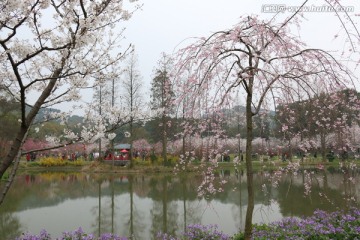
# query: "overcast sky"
[[162, 25], [165, 25]]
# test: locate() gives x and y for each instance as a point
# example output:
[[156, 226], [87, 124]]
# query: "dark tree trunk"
[[15, 151], [249, 169], [164, 140], [323, 146]]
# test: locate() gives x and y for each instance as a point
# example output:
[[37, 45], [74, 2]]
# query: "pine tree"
[[162, 97]]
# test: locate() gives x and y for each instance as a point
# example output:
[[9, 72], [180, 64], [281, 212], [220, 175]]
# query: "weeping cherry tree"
[[263, 60]]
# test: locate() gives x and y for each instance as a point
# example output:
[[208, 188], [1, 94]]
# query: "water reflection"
[[142, 205]]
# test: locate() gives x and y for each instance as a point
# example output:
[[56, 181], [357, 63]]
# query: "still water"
[[142, 205]]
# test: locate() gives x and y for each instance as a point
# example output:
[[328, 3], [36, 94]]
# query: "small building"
[[122, 146], [120, 156]]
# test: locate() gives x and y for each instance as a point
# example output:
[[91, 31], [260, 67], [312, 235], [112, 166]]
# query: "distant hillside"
[[242, 110], [75, 119], [44, 114]]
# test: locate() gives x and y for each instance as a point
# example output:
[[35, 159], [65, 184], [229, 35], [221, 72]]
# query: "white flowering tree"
[[266, 62], [50, 50]]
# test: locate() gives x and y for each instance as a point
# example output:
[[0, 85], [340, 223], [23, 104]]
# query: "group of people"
[[31, 156]]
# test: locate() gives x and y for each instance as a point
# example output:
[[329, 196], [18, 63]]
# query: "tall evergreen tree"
[[162, 97]]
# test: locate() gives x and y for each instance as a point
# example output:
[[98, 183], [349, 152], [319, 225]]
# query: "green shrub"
[[153, 158], [78, 162], [171, 160], [57, 161], [238, 236], [51, 161], [140, 162]]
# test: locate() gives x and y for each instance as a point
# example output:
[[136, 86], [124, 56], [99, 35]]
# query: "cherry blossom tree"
[[141, 149], [265, 61], [50, 49], [324, 122]]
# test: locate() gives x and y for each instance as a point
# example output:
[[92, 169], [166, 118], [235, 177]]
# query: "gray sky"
[[162, 25], [165, 25]]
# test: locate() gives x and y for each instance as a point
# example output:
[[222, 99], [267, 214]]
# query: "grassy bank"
[[157, 166]]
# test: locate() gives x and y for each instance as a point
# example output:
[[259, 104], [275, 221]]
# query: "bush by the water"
[[322, 225], [57, 161]]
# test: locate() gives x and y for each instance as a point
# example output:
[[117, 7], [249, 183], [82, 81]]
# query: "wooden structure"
[[120, 155]]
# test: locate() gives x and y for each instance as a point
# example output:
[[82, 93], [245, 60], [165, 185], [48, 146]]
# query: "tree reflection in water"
[[142, 205]]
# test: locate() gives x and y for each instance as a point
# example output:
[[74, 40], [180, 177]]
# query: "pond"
[[143, 205]]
